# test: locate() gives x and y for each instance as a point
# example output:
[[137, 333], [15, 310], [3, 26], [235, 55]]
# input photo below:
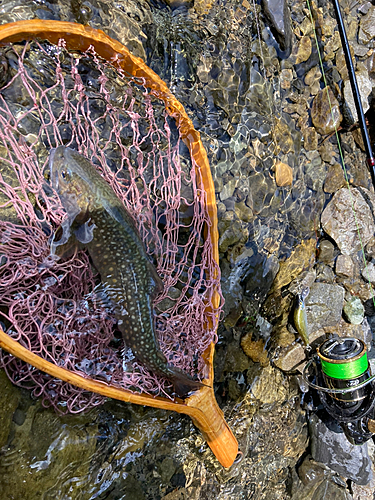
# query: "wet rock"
[[283, 338], [263, 327], [345, 266], [243, 212], [310, 139], [251, 274], [299, 259], [228, 189], [281, 431], [7, 210], [261, 274], [332, 45], [310, 471], [324, 273], [235, 359], [286, 77], [369, 272], [312, 79], [327, 489], [283, 136], [234, 234], [283, 174], [178, 494], [330, 446], [255, 349], [326, 252], [305, 279], [270, 386], [324, 305], [354, 310], [365, 89], [335, 178], [278, 15], [325, 112], [302, 50], [339, 222], [290, 359], [367, 27]]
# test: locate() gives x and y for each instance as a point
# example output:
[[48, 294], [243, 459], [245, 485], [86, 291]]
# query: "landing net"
[[53, 97]]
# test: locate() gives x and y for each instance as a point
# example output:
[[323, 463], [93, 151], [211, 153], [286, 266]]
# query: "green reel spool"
[[344, 365]]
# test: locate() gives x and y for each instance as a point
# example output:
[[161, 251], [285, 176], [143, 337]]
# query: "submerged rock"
[[277, 13], [9, 399], [345, 215], [310, 139], [300, 259], [283, 174], [325, 112], [270, 386], [255, 349]]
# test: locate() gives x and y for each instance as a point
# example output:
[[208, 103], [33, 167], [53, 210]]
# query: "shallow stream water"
[[253, 110]]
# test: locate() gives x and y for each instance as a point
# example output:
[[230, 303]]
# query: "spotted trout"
[[98, 222]]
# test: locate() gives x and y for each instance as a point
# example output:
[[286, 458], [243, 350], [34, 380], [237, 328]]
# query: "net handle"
[[202, 406]]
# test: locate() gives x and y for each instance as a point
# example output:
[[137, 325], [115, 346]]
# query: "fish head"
[[69, 179]]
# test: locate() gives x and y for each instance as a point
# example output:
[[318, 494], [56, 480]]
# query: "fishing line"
[[339, 146]]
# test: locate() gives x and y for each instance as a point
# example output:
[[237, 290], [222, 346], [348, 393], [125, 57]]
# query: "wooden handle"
[[201, 407]]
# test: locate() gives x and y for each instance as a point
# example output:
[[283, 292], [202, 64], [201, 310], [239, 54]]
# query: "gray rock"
[[334, 450], [344, 266], [324, 305], [369, 272], [290, 358], [339, 222], [326, 252], [277, 13], [367, 26], [326, 489], [354, 310], [365, 89]]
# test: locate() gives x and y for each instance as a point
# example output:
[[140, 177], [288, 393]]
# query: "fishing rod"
[[355, 91]]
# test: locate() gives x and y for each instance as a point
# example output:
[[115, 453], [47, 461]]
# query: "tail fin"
[[183, 383]]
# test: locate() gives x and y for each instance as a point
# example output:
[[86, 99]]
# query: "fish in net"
[[55, 97]]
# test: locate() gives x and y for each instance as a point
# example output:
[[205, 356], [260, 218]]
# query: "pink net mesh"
[[54, 97]]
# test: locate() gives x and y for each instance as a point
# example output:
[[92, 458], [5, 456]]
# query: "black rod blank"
[[355, 91]]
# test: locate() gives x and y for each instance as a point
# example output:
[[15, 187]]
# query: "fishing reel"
[[339, 371]]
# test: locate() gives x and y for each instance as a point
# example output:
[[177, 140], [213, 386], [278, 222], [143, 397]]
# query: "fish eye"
[[65, 174]]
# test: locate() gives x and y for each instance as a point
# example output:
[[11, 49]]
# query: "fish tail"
[[182, 382]]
